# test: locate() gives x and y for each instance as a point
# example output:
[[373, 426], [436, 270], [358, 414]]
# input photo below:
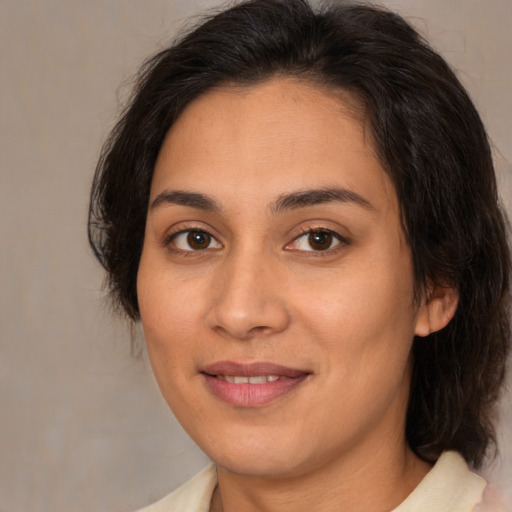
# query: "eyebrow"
[[312, 197], [291, 201], [190, 199]]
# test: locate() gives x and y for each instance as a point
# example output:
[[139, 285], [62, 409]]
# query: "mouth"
[[251, 385], [253, 379]]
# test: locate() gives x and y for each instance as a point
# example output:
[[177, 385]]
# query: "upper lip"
[[251, 369]]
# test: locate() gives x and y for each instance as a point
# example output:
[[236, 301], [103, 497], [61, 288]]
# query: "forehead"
[[269, 138]]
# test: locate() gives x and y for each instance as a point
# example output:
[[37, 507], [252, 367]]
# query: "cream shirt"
[[448, 487]]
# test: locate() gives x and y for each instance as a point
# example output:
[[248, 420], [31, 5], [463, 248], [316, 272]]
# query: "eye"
[[317, 240], [194, 240]]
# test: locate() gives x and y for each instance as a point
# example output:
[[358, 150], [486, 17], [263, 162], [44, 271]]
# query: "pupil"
[[198, 240], [320, 240]]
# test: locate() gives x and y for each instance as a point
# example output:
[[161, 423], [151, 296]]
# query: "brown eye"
[[320, 240], [317, 240], [194, 240], [198, 240]]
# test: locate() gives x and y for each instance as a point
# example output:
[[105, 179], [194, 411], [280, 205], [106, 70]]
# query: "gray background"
[[82, 425]]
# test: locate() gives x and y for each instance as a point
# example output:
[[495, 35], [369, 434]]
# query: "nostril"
[[248, 322]]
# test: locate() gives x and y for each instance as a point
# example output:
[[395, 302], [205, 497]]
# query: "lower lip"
[[251, 395]]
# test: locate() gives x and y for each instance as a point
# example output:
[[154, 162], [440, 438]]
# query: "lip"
[[251, 395]]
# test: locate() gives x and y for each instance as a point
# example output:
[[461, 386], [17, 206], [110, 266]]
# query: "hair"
[[429, 139]]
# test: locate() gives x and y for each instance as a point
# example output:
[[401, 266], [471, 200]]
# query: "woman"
[[301, 209]]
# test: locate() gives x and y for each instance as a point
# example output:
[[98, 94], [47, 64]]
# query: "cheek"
[[168, 335], [363, 301], [163, 316], [363, 318], [168, 307]]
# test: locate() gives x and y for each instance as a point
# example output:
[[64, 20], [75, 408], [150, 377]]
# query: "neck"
[[380, 484]]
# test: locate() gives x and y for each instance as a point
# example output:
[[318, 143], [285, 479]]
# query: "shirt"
[[448, 487]]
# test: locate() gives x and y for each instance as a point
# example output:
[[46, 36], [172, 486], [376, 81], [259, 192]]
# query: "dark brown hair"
[[430, 140]]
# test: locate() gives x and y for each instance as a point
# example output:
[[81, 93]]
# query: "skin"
[[260, 291]]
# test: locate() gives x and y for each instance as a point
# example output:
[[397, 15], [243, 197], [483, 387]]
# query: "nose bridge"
[[247, 296]]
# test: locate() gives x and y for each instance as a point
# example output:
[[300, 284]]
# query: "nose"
[[248, 300]]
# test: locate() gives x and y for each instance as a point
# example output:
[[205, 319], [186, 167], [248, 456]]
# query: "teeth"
[[257, 379], [261, 379]]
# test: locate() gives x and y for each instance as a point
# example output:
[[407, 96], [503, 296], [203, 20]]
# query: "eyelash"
[[342, 241], [168, 242]]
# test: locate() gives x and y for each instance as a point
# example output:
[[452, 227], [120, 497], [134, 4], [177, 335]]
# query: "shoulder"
[[193, 496], [449, 486]]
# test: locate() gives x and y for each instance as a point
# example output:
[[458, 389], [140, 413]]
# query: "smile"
[[251, 385], [255, 379]]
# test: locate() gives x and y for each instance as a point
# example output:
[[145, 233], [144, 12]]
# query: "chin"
[[262, 467], [269, 458]]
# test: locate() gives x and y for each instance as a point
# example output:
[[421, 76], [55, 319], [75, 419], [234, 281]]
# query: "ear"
[[437, 309]]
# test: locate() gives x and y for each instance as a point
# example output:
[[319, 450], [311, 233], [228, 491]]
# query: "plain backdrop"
[[82, 424]]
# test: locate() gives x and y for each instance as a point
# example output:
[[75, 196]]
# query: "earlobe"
[[437, 309]]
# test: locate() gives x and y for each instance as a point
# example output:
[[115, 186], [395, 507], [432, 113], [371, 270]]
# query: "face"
[[275, 285]]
